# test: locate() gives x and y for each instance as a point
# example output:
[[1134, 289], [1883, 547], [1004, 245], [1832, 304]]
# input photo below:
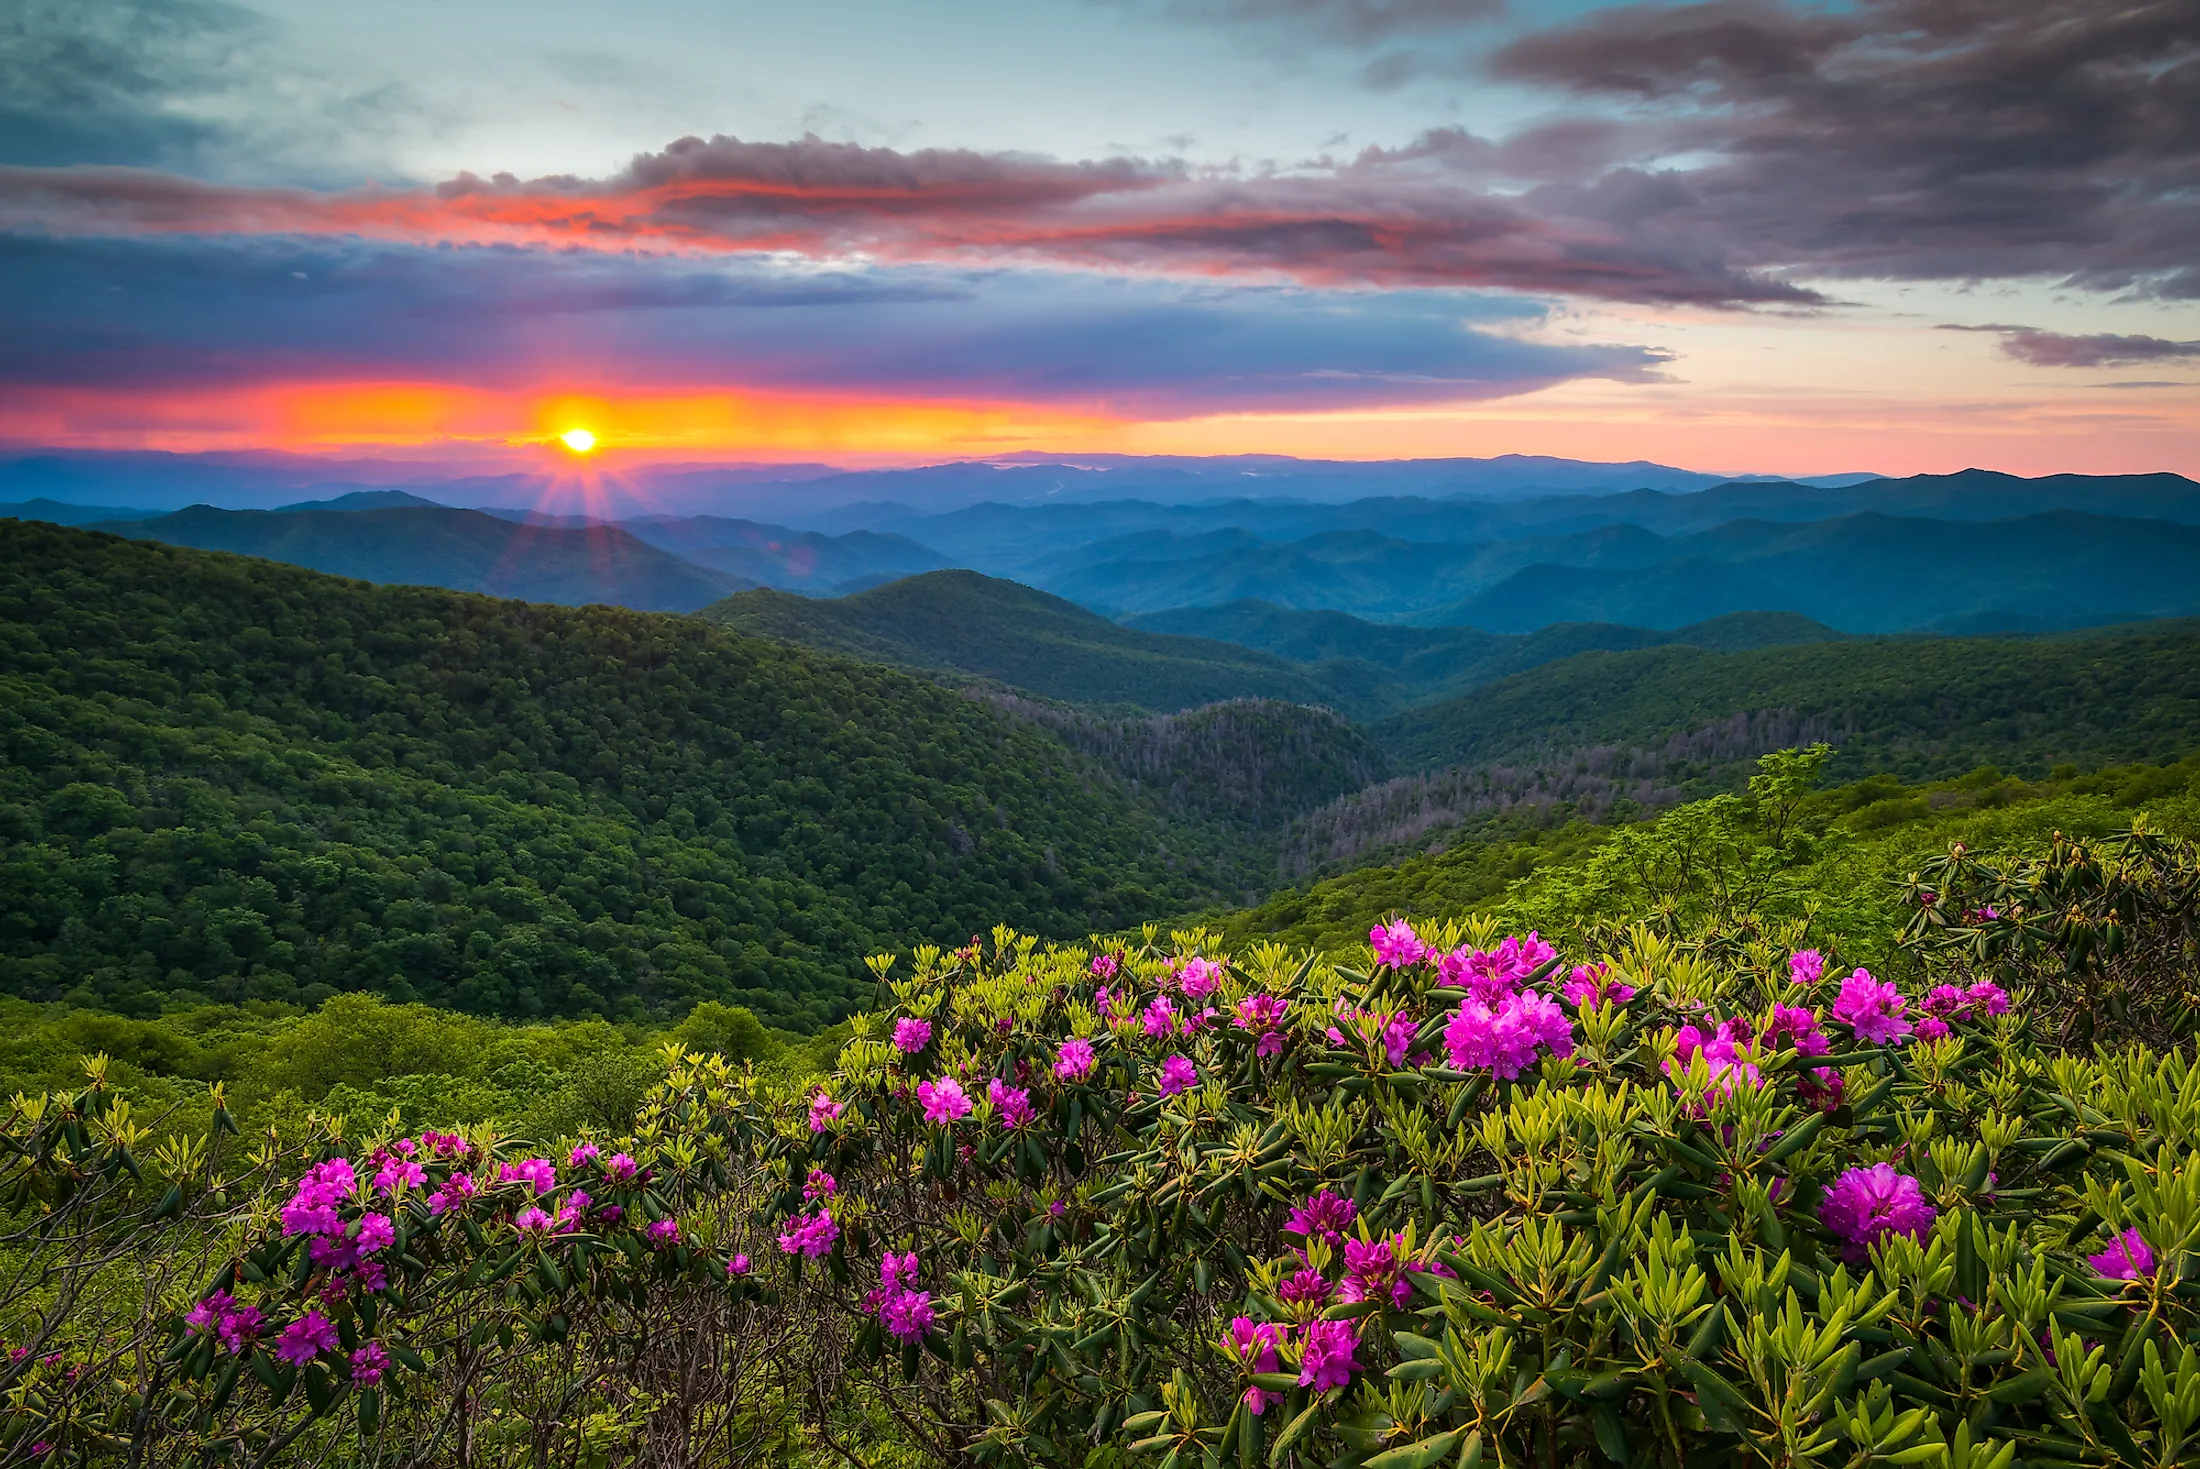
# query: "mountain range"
[[1975, 552]]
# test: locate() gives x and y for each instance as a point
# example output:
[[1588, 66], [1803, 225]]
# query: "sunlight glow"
[[579, 440]]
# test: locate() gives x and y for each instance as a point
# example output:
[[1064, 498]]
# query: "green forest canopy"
[[227, 779]]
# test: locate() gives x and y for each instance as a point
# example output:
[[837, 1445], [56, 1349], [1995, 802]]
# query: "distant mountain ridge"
[[1000, 631], [463, 550]]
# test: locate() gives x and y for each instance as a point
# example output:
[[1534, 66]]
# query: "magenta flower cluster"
[[1866, 1205], [1506, 1038], [904, 1311], [1872, 1008]]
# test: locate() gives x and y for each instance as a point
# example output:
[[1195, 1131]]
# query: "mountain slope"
[[1875, 573], [1437, 662], [966, 623], [464, 550], [226, 778], [1920, 707]]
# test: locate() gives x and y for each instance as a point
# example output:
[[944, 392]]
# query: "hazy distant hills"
[[774, 556], [1871, 573], [1449, 543], [464, 550]]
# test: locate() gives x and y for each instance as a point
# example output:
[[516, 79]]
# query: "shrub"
[[1465, 1200]]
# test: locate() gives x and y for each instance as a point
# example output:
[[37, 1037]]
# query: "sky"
[[1744, 236]]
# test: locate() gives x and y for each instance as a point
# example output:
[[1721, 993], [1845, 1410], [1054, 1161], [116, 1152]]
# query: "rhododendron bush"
[[1463, 1198]]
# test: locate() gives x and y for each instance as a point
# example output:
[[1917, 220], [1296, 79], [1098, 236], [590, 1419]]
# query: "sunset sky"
[[1894, 235]]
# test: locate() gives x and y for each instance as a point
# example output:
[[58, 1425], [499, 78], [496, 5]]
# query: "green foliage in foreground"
[[1918, 708], [1347, 1213], [226, 780]]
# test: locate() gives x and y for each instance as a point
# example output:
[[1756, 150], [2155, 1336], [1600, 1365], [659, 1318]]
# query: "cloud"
[[1402, 218], [2097, 349], [1891, 139], [1906, 139], [1733, 153], [162, 313]]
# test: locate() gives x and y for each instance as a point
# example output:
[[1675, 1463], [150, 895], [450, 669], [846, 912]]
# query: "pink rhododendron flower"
[[1591, 984], [1505, 1040], [1325, 1215], [240, 1328], [1256, 1343], [1866, 1205], [664, 1233], [1012, 1104], [809, 1234], [943, 1101], [2127, 1257], [912, 1035], [312, 1207], [204, 1318], [1872, 1008], [1308, 1288], [539, 1174], [620, 1167], [1372, 1272], [304, 1339], [1198, 978], [457, 1189], [1494, 974], [738, 1266], [532, 1220], [819, 1185], [1326, 1358], [584, 1154], [898, 1272], [1160, 1018], [1105, 965], [1806, 966], [1987, 998], [376, 1233], [1396, 944], [1795, 1026], [907, 1315], [369, 1363], [1177, 1074], [398, 1173], [823, 1111], [1075, 1061]]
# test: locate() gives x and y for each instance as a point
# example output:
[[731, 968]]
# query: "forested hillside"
[[1919, 708], [961, 622], [233, 780]]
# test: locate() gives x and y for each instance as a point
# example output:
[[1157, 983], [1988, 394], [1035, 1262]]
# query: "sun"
[[579, 440]]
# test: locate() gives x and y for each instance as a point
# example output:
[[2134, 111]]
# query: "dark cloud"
[[1906, 139], [1893, 139], [171, 312], [2098, 349], [113, 83]]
